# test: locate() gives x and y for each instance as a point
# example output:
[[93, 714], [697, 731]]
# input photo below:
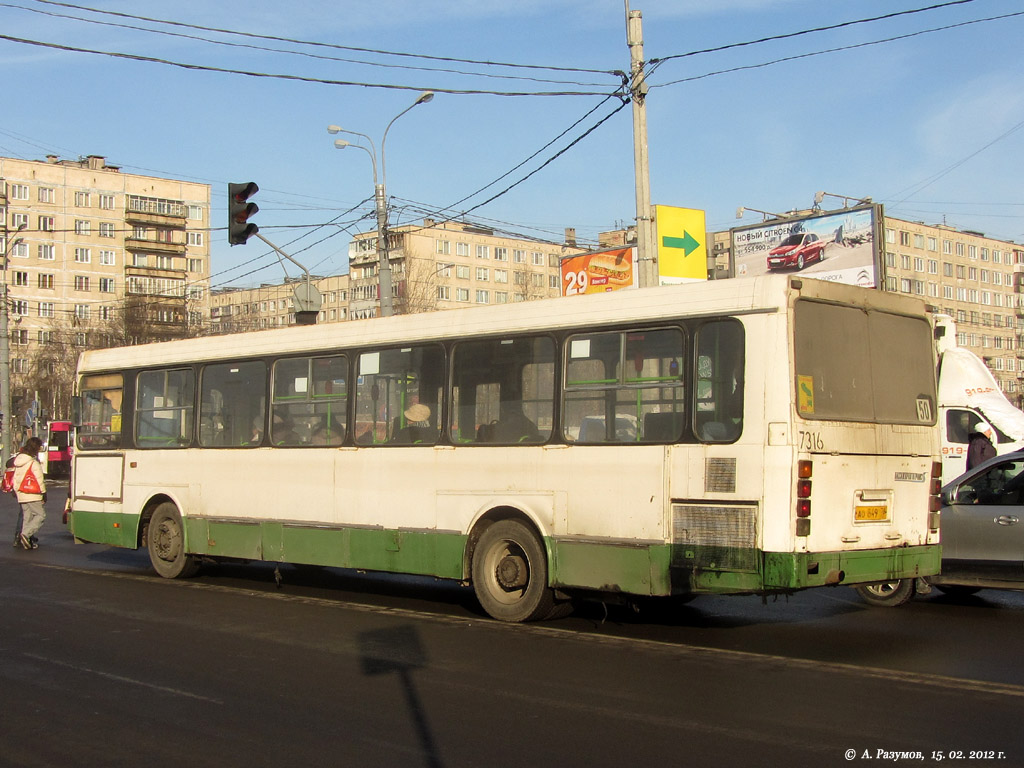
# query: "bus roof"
[[764, 293]]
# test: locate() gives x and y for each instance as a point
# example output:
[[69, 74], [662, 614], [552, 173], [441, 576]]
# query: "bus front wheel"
[[165, 540], [510, 573]]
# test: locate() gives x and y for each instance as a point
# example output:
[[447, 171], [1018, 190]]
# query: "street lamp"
[[5, 354], [743, 209], [380, 199]]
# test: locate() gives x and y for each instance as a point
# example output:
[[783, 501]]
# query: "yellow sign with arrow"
[[682, 244]]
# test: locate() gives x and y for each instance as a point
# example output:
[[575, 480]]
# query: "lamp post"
[[380, 199], [5, 354]]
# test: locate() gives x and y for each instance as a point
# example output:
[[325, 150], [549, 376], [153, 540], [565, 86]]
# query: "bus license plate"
[[871, 513]]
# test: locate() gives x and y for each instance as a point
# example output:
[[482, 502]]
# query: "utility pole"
[[646, 248], [5, 353]]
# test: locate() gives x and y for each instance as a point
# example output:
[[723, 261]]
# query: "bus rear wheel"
[[510, 574], [887, 594], [165, 540]]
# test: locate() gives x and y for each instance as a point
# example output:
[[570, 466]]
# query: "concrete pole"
[[387, 307], [647, 253]]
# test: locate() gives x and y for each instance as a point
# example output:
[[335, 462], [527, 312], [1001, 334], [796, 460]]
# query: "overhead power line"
[[298, 78], [280, 39], [283, 51]]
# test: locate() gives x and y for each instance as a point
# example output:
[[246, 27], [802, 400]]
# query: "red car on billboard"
[[797, 250]]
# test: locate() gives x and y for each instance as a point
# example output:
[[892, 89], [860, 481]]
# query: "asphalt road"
[[104, 664]]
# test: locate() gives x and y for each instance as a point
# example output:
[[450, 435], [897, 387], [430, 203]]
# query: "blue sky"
[[931, 125]]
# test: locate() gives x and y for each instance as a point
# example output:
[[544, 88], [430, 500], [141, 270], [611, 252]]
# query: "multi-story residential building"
[[272, 305], [97, 246], [974, 279], [440, 265]]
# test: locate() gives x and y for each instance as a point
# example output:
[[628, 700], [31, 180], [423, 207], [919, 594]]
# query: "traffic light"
[[240, 228]]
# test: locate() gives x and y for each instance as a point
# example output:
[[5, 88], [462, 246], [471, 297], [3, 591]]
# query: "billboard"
[[841, 246], [598, 272]]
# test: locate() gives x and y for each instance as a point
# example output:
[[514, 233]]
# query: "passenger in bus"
[[417, 426], [257, 431], [512, 426]]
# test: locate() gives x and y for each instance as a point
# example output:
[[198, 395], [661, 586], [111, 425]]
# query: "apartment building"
[[272, 305], [95, 251], [973, 278], [440, 265]]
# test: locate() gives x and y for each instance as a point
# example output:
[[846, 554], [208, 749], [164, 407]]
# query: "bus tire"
[[887, 594], [510, 573], [165, 540]]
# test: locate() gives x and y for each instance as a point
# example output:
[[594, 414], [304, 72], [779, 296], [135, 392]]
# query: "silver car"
[[982, 535]]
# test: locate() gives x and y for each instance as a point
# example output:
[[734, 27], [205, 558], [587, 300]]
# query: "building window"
[[482, 252], [196, 265], [462, 294], [933, 244], [918, 264], [904, 238], [106, 285], [462, 249], [19, 307], [501, 275], [19, 191], [81, 282], [20, 251], [106, 229], [919, 241], [501, 297], [81, 199], [20, 336], [904, 261], [890, 259], [45, 194], [482, 297], [461, 272], [19, 220], [905, 285], [82, 227], [443, 292], [46, 309], [501, 254], [195, 238], [46, 223], [538, 258], [108, 258], [20, 278], [45, 281], [107, 202], [483, 273], [444, 247], [519, 257], [82, 255], [45, 252]]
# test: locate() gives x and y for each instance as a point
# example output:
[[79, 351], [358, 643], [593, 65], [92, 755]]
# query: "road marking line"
[[121, 678]]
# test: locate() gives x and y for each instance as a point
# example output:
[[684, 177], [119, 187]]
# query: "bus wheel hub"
[[511, 572]]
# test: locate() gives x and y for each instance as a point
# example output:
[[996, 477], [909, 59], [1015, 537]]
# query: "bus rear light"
[[804, 468], [803, 489], [803, 527], [803, 507]]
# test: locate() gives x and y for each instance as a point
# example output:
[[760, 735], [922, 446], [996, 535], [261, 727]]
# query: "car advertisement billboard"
[[840, 246], [598, 272]]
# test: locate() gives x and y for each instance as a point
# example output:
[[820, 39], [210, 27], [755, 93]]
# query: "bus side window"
[[503, 391], [718, 393], [233, 398], [624, 387], [398, 396]]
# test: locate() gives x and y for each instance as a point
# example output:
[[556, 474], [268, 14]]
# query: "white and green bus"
[[748, 436]]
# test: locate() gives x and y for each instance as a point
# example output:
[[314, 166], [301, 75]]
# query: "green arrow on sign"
[[687, 242]]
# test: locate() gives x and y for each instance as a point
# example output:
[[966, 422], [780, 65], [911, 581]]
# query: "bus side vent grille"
[[714, 537], [720, 476]]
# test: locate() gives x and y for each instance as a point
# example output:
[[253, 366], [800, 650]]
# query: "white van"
[[968, 394]]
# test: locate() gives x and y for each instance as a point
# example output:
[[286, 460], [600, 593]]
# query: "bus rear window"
[[863, 365]]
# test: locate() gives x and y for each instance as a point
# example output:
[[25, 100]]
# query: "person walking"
[[30, 487]]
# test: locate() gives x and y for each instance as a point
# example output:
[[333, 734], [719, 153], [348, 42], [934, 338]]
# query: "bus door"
[[98, 466]]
